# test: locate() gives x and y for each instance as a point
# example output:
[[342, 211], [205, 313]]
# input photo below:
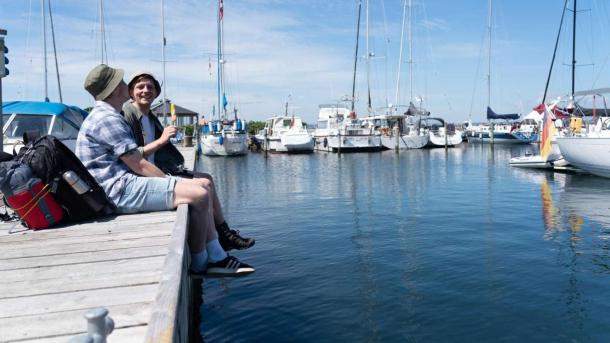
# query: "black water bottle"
[[83, 189]]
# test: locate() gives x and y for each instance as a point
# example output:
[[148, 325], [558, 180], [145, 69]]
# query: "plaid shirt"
[[103, 137]]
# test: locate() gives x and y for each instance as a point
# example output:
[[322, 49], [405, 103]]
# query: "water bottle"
[[83, 189], [80, 186]]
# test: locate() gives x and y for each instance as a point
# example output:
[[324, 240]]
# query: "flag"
[[548, 131], [210, 66], [224, 102], [221, 13]]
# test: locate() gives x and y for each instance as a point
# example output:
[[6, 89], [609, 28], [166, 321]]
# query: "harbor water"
[[423, 246]]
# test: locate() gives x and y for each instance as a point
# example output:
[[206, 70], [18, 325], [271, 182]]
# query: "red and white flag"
[[220, 14]]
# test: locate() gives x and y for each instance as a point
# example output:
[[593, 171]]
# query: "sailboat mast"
[[356, 55], [219, 56], [44, 51], [573, 47], [104, 48], [410, 53], [368, 61], [548, 79], [402, 34], [163, 44], [489, 54], [55, 52]]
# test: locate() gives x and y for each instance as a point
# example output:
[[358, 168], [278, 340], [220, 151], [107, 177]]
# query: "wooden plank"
[[122, 223], [91, 282], [161, 327], [70, 322], [85, 247], [117, 234], [123, 335], [81, 270], [82, 257], [20, 307]]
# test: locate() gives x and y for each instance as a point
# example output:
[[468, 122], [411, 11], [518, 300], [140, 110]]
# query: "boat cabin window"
[[322, 124], [62, 129], [287, 122], [27, 122]]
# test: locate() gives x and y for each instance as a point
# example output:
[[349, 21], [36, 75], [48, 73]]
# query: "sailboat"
[[508, 130], [414, 129], [338, 128], [223, 136]]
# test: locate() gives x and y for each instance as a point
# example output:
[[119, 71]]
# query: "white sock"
[[216, 252], [199, 261]]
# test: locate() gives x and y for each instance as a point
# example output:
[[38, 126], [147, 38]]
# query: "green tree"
[[254, 126]]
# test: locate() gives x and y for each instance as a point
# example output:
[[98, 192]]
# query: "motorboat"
[[285, 134], [40, 118], [338, 130]]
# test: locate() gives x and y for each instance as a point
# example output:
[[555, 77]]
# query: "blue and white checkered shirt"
[[103, 137]]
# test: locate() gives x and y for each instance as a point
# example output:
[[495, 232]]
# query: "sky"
[[302, 52]]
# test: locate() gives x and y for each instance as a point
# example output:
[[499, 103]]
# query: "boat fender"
[[238, 124], [221, 140], [325, 142], [211, 127], [243, 125]]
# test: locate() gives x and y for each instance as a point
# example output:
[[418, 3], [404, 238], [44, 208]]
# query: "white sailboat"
[[338, 128], [414, 129], [223, 136], [507, 131], [588, 148]]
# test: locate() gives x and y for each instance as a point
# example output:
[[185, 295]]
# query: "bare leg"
[[201, 229], [218, 215]]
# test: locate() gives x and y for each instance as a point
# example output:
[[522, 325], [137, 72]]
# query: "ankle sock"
[[216, 251], [199, 261]]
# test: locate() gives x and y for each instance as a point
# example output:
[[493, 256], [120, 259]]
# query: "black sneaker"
[[230, 239], [230, 266]]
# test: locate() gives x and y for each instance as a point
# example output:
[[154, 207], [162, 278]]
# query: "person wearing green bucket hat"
[[106, 146], [154, 143]]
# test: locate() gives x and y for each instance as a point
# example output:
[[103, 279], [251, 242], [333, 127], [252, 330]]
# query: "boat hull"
[[231, 144], [361, 143], [587, 153]]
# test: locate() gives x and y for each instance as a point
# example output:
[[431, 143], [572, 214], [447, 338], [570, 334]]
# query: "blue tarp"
[[493, 115], [38, 108]]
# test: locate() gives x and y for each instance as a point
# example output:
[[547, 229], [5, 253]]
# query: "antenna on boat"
[[163, 44]]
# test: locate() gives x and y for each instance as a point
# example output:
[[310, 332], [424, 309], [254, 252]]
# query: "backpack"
[[28, 196], [77, 192]]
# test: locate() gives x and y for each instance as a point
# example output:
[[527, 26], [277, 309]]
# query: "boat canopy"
[[493, 115], [41, 108]]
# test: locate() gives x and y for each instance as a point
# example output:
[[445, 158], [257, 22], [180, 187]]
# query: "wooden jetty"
[[136, 266]]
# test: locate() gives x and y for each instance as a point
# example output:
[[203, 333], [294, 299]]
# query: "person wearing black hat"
[[106, 146], [154, 143]]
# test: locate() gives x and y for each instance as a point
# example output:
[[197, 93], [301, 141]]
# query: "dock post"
[[339, 146], [397, 133], [491, 133], [445, 135], [99, 326], [266, 146]]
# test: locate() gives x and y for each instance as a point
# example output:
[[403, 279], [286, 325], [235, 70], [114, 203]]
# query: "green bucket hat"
[[102, 80]]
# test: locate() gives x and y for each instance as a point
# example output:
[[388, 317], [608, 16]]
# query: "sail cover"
[[493, 115]]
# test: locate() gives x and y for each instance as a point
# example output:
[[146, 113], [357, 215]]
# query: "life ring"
[[325, 142]]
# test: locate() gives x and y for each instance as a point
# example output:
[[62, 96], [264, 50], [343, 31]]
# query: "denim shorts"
[[147, 194]]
